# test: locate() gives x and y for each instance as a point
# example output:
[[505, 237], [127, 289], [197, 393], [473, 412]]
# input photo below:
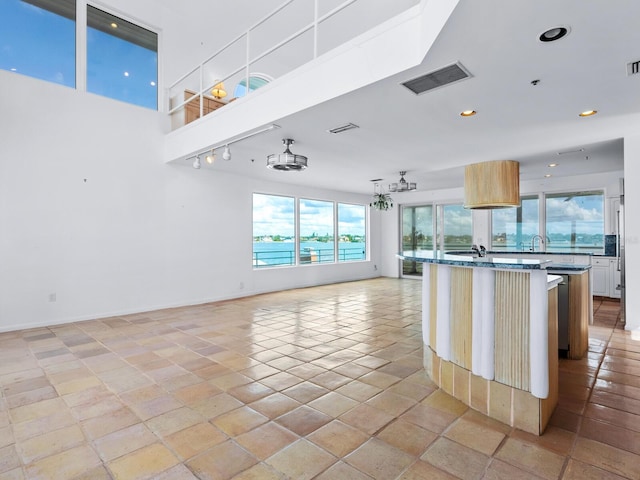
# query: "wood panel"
[[547, 405], [512, 329], [192, 109], [579, 313], [461, 314], [433, 303]]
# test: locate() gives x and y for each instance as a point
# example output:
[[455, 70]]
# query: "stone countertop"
[[461, 260], [468, 259]]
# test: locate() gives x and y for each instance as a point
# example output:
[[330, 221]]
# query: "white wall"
[[90, 214], [632, 231]]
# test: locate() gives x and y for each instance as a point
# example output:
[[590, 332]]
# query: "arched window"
[[256, 80]]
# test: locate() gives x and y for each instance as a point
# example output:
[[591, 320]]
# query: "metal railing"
[[287, 257], [203, 86]]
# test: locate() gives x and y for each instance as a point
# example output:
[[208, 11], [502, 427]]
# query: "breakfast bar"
[[490, 329]]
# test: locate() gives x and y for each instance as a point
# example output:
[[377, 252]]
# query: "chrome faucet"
[[540, 242]]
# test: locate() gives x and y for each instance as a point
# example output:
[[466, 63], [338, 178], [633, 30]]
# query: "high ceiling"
[[527, 95]]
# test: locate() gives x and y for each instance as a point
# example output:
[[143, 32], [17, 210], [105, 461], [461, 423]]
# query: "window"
[[273, 230], [122, 59], [513, 228], [574, 221], [417, 234], [256, 80], [38, 38], [316, 231], [455, 227], [351, 232]]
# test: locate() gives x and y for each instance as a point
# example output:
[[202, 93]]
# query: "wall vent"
[[439, 78], [343, 128], [633, 68]]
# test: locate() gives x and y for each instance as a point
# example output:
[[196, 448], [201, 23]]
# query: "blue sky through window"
[[41, 43], [37, 42]]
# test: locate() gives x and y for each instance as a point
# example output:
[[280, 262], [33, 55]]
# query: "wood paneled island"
[[490, 330]]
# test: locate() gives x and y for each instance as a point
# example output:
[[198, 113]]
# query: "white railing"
[[190, 91]]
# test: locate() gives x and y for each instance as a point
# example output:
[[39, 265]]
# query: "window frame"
[[297, 238], [542, 220], [80, 56]]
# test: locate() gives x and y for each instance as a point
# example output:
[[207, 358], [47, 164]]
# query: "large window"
[[514, 228], [274, 232], [455, 228], [352, 243], [417, 234], [316, 231], [122, 59], [574, 221], [276, 220], [38, 38]]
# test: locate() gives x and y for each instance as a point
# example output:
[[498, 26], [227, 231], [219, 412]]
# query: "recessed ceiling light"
[[468, 113], [126, 74], [547, 175], [114, 25], [152, 83], [587, 113], [553, 34], [552, 165]]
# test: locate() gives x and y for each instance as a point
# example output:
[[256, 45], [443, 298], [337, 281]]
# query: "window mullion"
[[81, 45]]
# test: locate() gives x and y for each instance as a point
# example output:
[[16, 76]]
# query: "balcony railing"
[[296, 32]]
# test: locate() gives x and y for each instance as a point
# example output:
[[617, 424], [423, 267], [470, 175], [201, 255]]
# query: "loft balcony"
[[315, 55]]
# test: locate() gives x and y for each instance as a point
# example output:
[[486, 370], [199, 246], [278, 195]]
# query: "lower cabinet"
[[614, 277], [606, 277], [600, 269]]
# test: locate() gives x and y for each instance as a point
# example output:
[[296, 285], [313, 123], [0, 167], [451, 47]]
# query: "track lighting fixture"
[[210, 154], [226, 155]]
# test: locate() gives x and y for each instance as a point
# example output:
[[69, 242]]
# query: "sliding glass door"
[[417, 234]]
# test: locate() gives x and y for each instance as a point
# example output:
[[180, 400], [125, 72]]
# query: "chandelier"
[[402, 185]]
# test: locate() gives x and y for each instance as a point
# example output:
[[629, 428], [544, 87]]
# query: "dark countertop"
[[469, 259]]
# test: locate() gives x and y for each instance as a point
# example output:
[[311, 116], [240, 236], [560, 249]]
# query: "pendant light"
[[494, 184]]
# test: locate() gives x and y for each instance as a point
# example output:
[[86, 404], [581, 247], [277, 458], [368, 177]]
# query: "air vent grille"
[[633, 68], [439, 78], [343, 128]]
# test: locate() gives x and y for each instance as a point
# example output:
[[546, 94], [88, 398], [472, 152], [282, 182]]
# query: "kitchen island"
[[490, 333]]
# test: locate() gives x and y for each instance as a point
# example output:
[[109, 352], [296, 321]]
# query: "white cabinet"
[[614, 278], [606, 277], [601, 271]]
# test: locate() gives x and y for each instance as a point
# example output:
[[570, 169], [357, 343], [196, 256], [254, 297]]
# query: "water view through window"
[[274, 226]]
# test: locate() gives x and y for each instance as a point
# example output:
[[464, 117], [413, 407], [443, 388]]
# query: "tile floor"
[[321, 383]]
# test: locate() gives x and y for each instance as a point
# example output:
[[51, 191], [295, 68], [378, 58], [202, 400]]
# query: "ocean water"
[[267, 254]]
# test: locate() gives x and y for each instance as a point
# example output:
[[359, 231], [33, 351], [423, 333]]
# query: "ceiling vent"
[[633, 68], [343, 128], [439, 78]]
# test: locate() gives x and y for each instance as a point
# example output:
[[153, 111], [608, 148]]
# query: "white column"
[[632, 232], [426, 303], [539, 334], [483, 323]]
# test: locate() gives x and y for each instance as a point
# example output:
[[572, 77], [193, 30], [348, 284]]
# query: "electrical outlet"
[[241, 285], [52, 297]]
